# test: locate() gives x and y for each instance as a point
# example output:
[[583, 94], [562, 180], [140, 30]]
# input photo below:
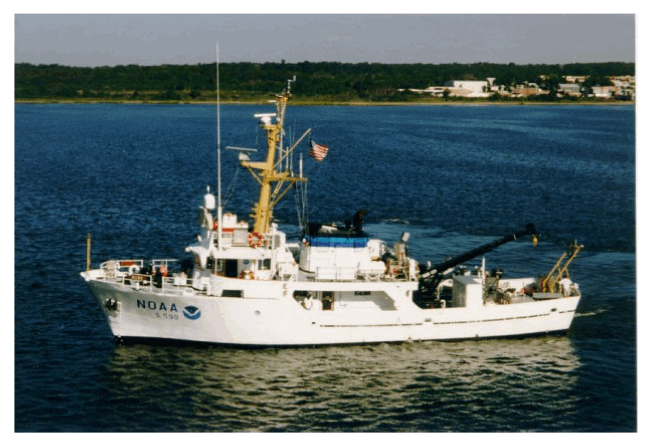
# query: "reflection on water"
[[493, 385]]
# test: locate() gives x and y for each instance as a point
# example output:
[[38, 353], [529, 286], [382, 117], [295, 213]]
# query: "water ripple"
[[455, 177]]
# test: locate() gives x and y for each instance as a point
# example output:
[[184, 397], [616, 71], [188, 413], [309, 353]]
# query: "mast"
[[270, 172]]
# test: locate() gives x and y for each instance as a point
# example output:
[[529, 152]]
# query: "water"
[[455, 177]]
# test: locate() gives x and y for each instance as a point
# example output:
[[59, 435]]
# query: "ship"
[[243, 282]]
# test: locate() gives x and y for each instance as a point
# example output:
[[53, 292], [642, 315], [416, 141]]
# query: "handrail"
[[150, 281], [119, 271], [125, 263]]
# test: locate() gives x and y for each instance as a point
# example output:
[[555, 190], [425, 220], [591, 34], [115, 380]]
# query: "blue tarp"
[[339, 242]]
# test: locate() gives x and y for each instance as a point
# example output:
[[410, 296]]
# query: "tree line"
[[249, 81]]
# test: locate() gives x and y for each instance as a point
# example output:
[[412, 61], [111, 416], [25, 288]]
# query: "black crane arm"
[[435, 271]]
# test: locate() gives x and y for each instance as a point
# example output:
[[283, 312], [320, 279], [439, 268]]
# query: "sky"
[[154, 39]]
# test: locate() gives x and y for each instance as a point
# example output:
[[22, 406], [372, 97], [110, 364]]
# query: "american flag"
[[318, 151]]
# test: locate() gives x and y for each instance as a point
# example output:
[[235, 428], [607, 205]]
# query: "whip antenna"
[[219, 210], [218, 131]]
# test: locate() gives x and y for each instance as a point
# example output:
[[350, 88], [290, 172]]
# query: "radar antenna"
[[289, 84]]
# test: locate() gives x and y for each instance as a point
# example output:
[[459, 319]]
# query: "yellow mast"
[[266, 173]]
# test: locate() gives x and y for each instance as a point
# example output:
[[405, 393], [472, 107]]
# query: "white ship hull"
[[277, 319]]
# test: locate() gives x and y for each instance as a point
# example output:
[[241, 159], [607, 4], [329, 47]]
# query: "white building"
[[570, 89], [433, 91], [605, 92], [575, 79], [468, 89]]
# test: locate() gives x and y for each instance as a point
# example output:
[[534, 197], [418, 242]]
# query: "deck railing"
[[157, 274], [133, 272]]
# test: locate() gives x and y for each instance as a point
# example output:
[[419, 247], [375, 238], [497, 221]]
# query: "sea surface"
[[455, 177]]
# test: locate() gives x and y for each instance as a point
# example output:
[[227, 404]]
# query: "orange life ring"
[[247, 274], [255, 239]]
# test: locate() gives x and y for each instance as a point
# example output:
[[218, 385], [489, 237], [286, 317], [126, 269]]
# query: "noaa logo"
[[191, 312]]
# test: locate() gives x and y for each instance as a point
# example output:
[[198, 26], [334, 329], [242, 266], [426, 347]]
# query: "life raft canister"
[[255, 239], [247, 274]]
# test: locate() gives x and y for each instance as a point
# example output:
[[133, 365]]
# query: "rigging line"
[[291, 149], [297, 198], [301, 204], [289, 163], [231, 188], [305, 206]]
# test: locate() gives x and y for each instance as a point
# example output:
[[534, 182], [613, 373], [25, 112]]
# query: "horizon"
[[326, 62]]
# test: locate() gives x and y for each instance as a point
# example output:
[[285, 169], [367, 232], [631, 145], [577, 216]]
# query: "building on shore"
[[468, 89], [575, 79], [570, 89], [623, 87], [523, 90]]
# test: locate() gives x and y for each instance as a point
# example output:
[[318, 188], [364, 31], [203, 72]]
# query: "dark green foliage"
[[246, 80], [167, 95]]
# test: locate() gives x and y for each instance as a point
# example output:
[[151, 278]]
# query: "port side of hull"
[[283, 321]]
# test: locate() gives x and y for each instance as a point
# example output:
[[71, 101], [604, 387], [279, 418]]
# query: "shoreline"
[[306, 103]]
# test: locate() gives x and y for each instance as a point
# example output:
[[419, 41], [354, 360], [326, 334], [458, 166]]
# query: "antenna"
[[219, 210], [289, 83], [218, 131]]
